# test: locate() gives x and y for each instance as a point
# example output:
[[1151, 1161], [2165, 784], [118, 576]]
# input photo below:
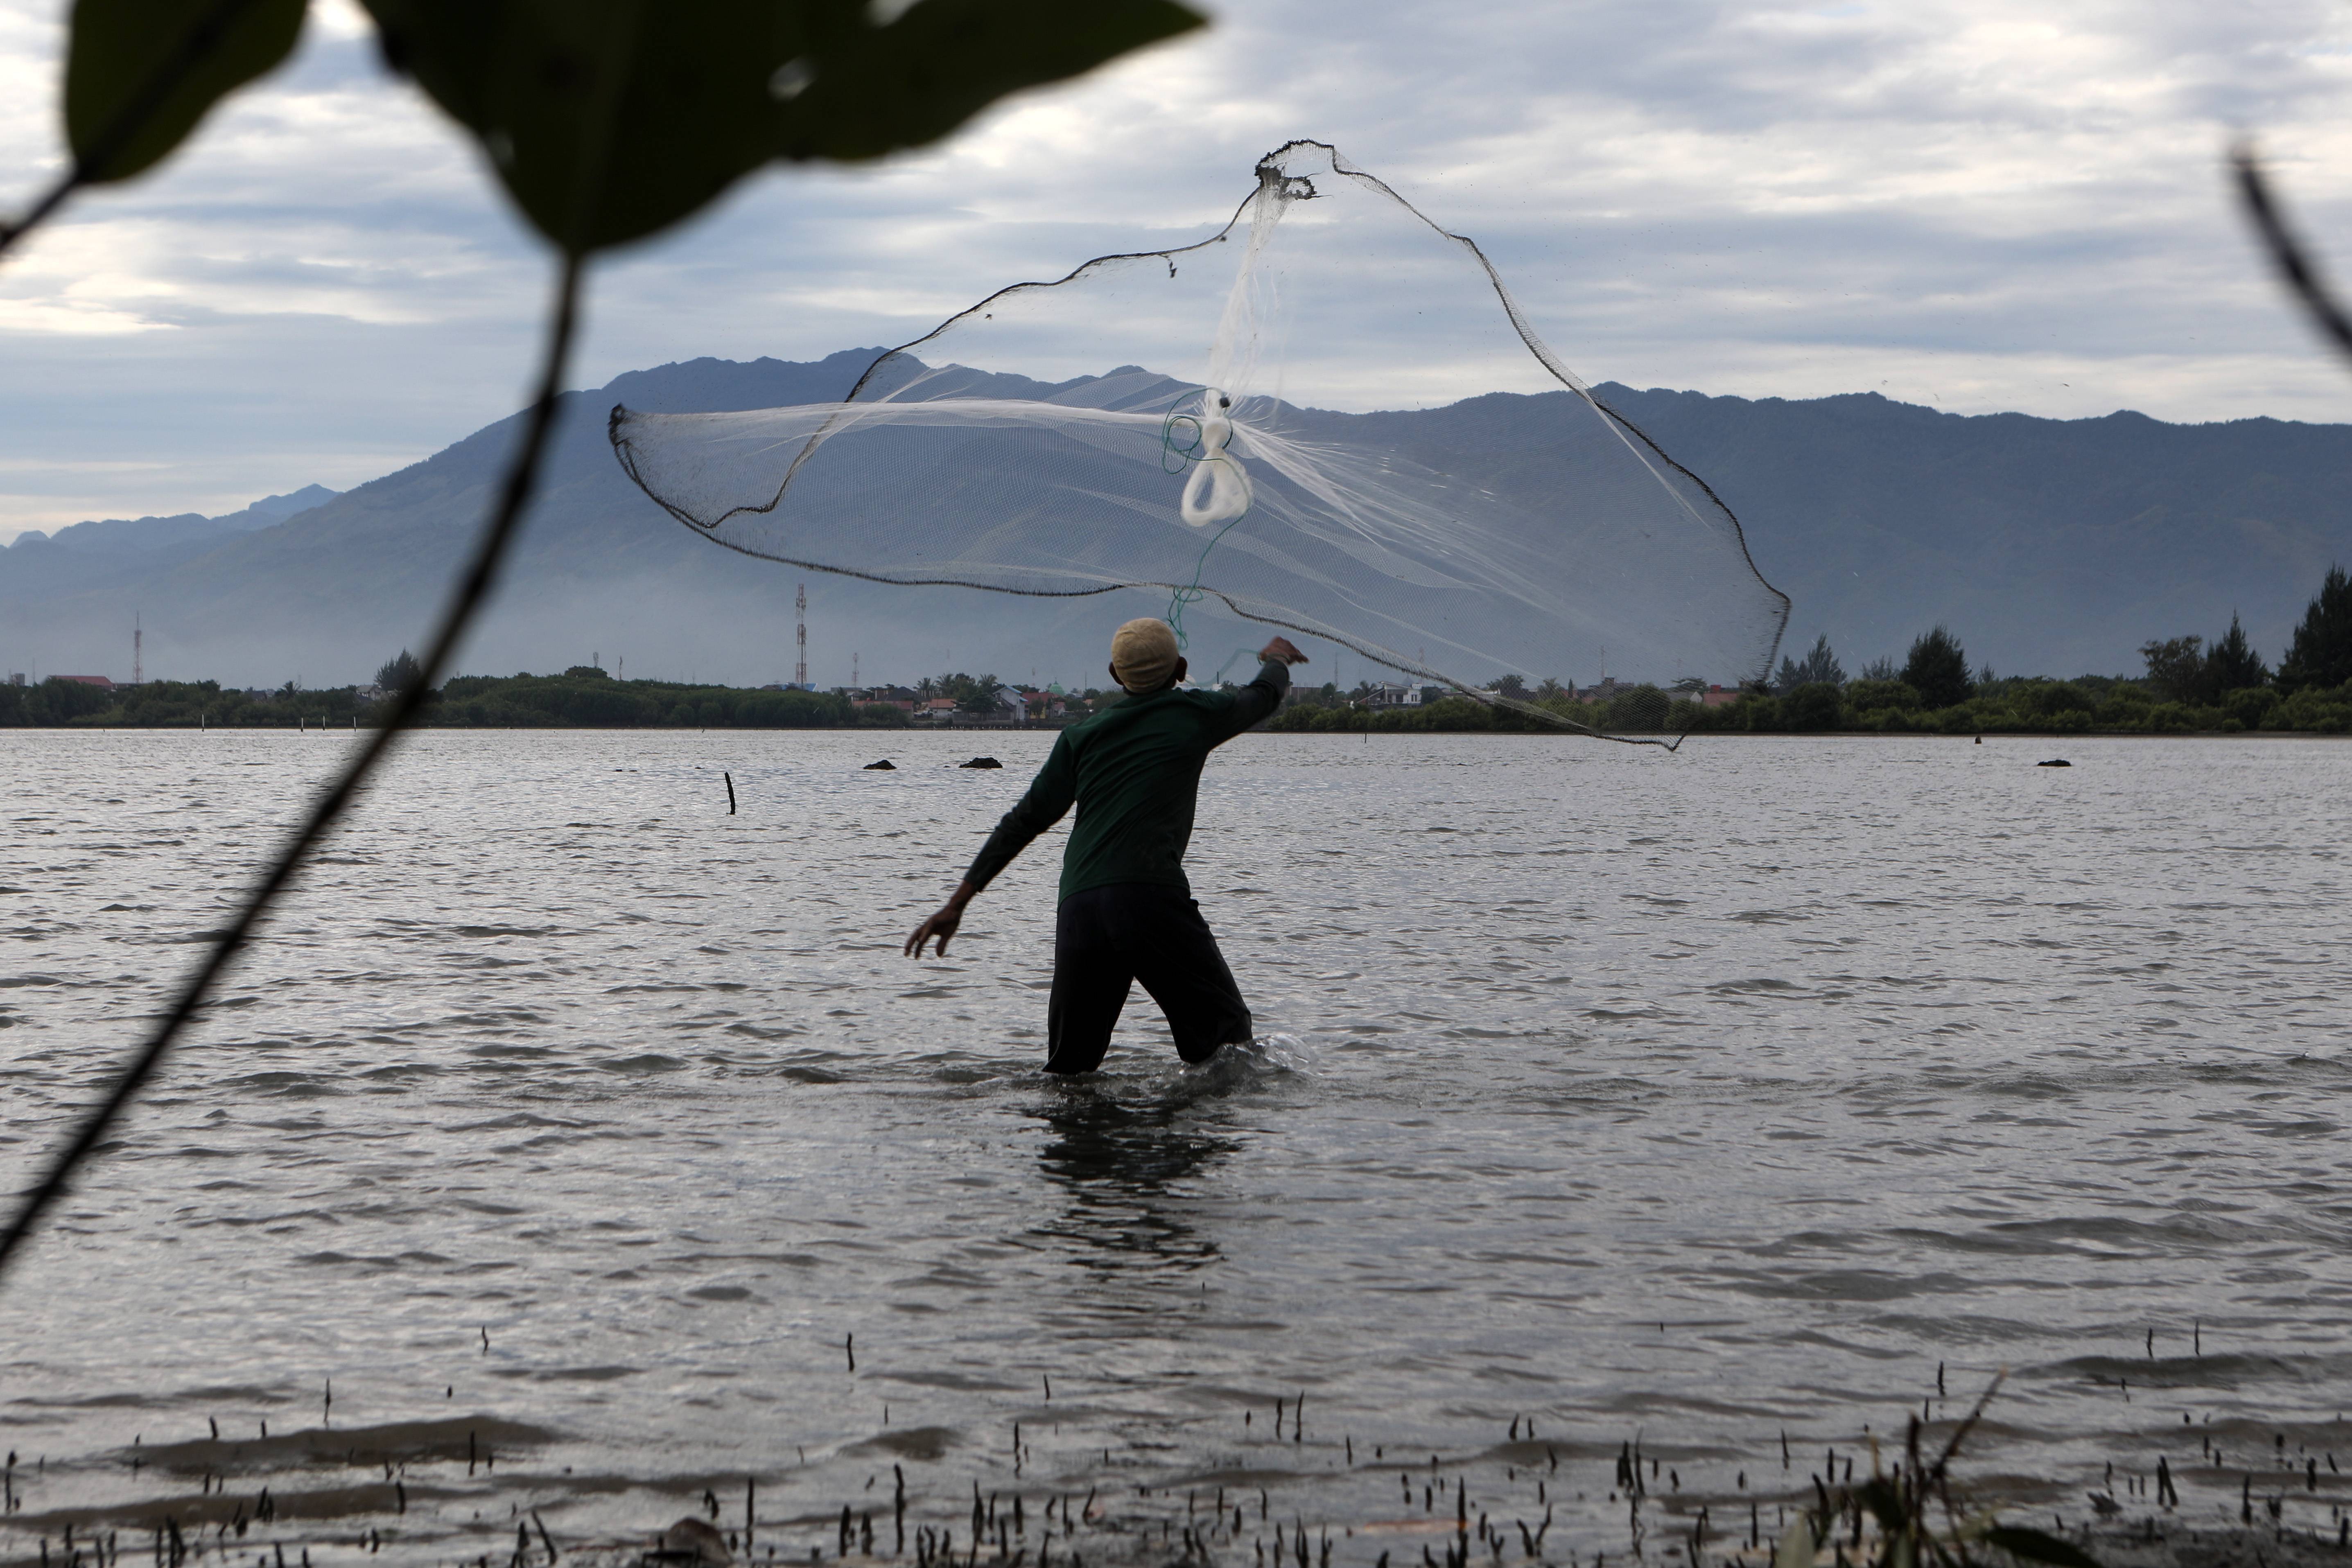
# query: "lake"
[[597, 1150]]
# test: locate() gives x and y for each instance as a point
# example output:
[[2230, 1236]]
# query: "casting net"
[[1329, 418]]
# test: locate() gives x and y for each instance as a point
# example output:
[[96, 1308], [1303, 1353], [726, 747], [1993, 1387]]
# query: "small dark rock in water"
[[886, 764], [690, 1541], [980, 762], [2054, 762]]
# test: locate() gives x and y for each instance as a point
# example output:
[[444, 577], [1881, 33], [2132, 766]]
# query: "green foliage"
[[183, 705], [2052, 701], [596, 701], [972, 693], [2252, 707], [1868, 695], [55, 701], [141, 74], [398, 673], [2184, 670], [2176, 668], [1878, 703], [2321, 654], [1645, 710], [1938, 669], [2231, 664], [1812, 706], [1820, 666], [572, 700], [608, 120], [2318, 709]]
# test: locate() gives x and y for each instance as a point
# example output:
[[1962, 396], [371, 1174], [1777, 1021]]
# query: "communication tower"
[[138, 666], [800, 636]]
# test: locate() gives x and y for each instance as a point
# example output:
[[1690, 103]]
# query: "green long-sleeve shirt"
[[1133, 770]]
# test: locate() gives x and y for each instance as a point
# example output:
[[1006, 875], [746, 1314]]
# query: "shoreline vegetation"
[[2090, 705], [2188, 688], [2087, 705], [586, 698]]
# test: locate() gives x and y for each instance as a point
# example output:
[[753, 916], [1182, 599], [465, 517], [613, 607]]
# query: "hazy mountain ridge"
[[82, 555], [2048, 545]]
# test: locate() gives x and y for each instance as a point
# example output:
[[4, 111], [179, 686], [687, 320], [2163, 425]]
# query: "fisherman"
[[1126, 912]]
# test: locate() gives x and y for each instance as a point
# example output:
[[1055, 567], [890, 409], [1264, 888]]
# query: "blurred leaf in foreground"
[[141, 74], [610, 120]]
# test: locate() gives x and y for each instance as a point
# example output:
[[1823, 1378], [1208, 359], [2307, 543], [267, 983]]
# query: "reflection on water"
[[598, 1150], [1124, 1169]]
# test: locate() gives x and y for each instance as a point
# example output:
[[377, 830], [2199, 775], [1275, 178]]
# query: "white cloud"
[[1996, 204]]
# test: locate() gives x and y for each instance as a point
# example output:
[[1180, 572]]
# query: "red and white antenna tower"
[[800, 635]]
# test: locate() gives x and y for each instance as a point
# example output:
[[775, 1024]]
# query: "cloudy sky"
[[1981, 205]]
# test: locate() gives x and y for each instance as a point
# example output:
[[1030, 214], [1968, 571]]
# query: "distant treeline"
[[581, 698], [2011, 705], [2188, 688], [586, 698]]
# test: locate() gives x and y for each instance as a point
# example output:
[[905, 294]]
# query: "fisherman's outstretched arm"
[[1048, 798], [1264, 694]]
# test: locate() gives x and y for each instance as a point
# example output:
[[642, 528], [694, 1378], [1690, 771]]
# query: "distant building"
[[1390, 695], [87, 680]]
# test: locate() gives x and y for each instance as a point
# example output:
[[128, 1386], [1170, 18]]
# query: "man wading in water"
[[1126, 912]]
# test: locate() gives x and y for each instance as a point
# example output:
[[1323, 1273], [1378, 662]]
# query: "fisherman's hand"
[[1281, 650], [942, 925]]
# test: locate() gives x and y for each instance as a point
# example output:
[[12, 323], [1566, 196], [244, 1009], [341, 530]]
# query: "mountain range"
[[87, 554], [2047, 545]]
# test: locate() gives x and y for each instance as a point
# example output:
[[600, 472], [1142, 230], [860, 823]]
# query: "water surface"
[[1697, 1099]]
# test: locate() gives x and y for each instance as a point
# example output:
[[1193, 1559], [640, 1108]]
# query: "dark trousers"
[[1105, 938]]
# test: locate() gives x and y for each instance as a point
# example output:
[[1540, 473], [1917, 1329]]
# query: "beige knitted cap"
[[1143, 654]]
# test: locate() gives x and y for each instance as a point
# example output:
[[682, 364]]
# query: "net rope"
[[1347, 432]]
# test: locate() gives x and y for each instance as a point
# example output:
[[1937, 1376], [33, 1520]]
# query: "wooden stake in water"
[[730, 793]]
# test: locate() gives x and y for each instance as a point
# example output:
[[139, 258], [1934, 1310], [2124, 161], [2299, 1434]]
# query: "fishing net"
[[1328, 419]]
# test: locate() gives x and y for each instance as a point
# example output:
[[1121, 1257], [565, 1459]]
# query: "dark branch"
[[465, 600], [2295, 263]]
